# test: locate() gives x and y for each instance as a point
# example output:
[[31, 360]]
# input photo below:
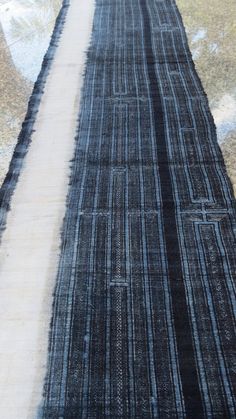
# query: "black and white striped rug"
[[143, 315]]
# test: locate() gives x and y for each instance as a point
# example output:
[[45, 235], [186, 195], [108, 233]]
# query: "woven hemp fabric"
[[143, 314]]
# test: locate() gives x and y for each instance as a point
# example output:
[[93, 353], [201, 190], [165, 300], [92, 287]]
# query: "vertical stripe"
[[133, 332], [188, 369]]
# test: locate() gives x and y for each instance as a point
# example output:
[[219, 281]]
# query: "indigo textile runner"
[[143, 314]]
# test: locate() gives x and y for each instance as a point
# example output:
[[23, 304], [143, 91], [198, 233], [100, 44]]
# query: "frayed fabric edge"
[[25, 137]]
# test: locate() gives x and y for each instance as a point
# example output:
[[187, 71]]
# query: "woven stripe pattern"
[[143, 315]]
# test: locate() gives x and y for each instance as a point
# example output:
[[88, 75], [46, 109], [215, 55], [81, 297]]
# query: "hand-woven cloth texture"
[[143, 315]]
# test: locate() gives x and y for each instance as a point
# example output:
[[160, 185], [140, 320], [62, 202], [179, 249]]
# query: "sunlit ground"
[[25, 30], [211, 31]]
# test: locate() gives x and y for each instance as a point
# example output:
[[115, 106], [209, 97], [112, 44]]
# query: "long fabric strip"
[[144, 306]]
